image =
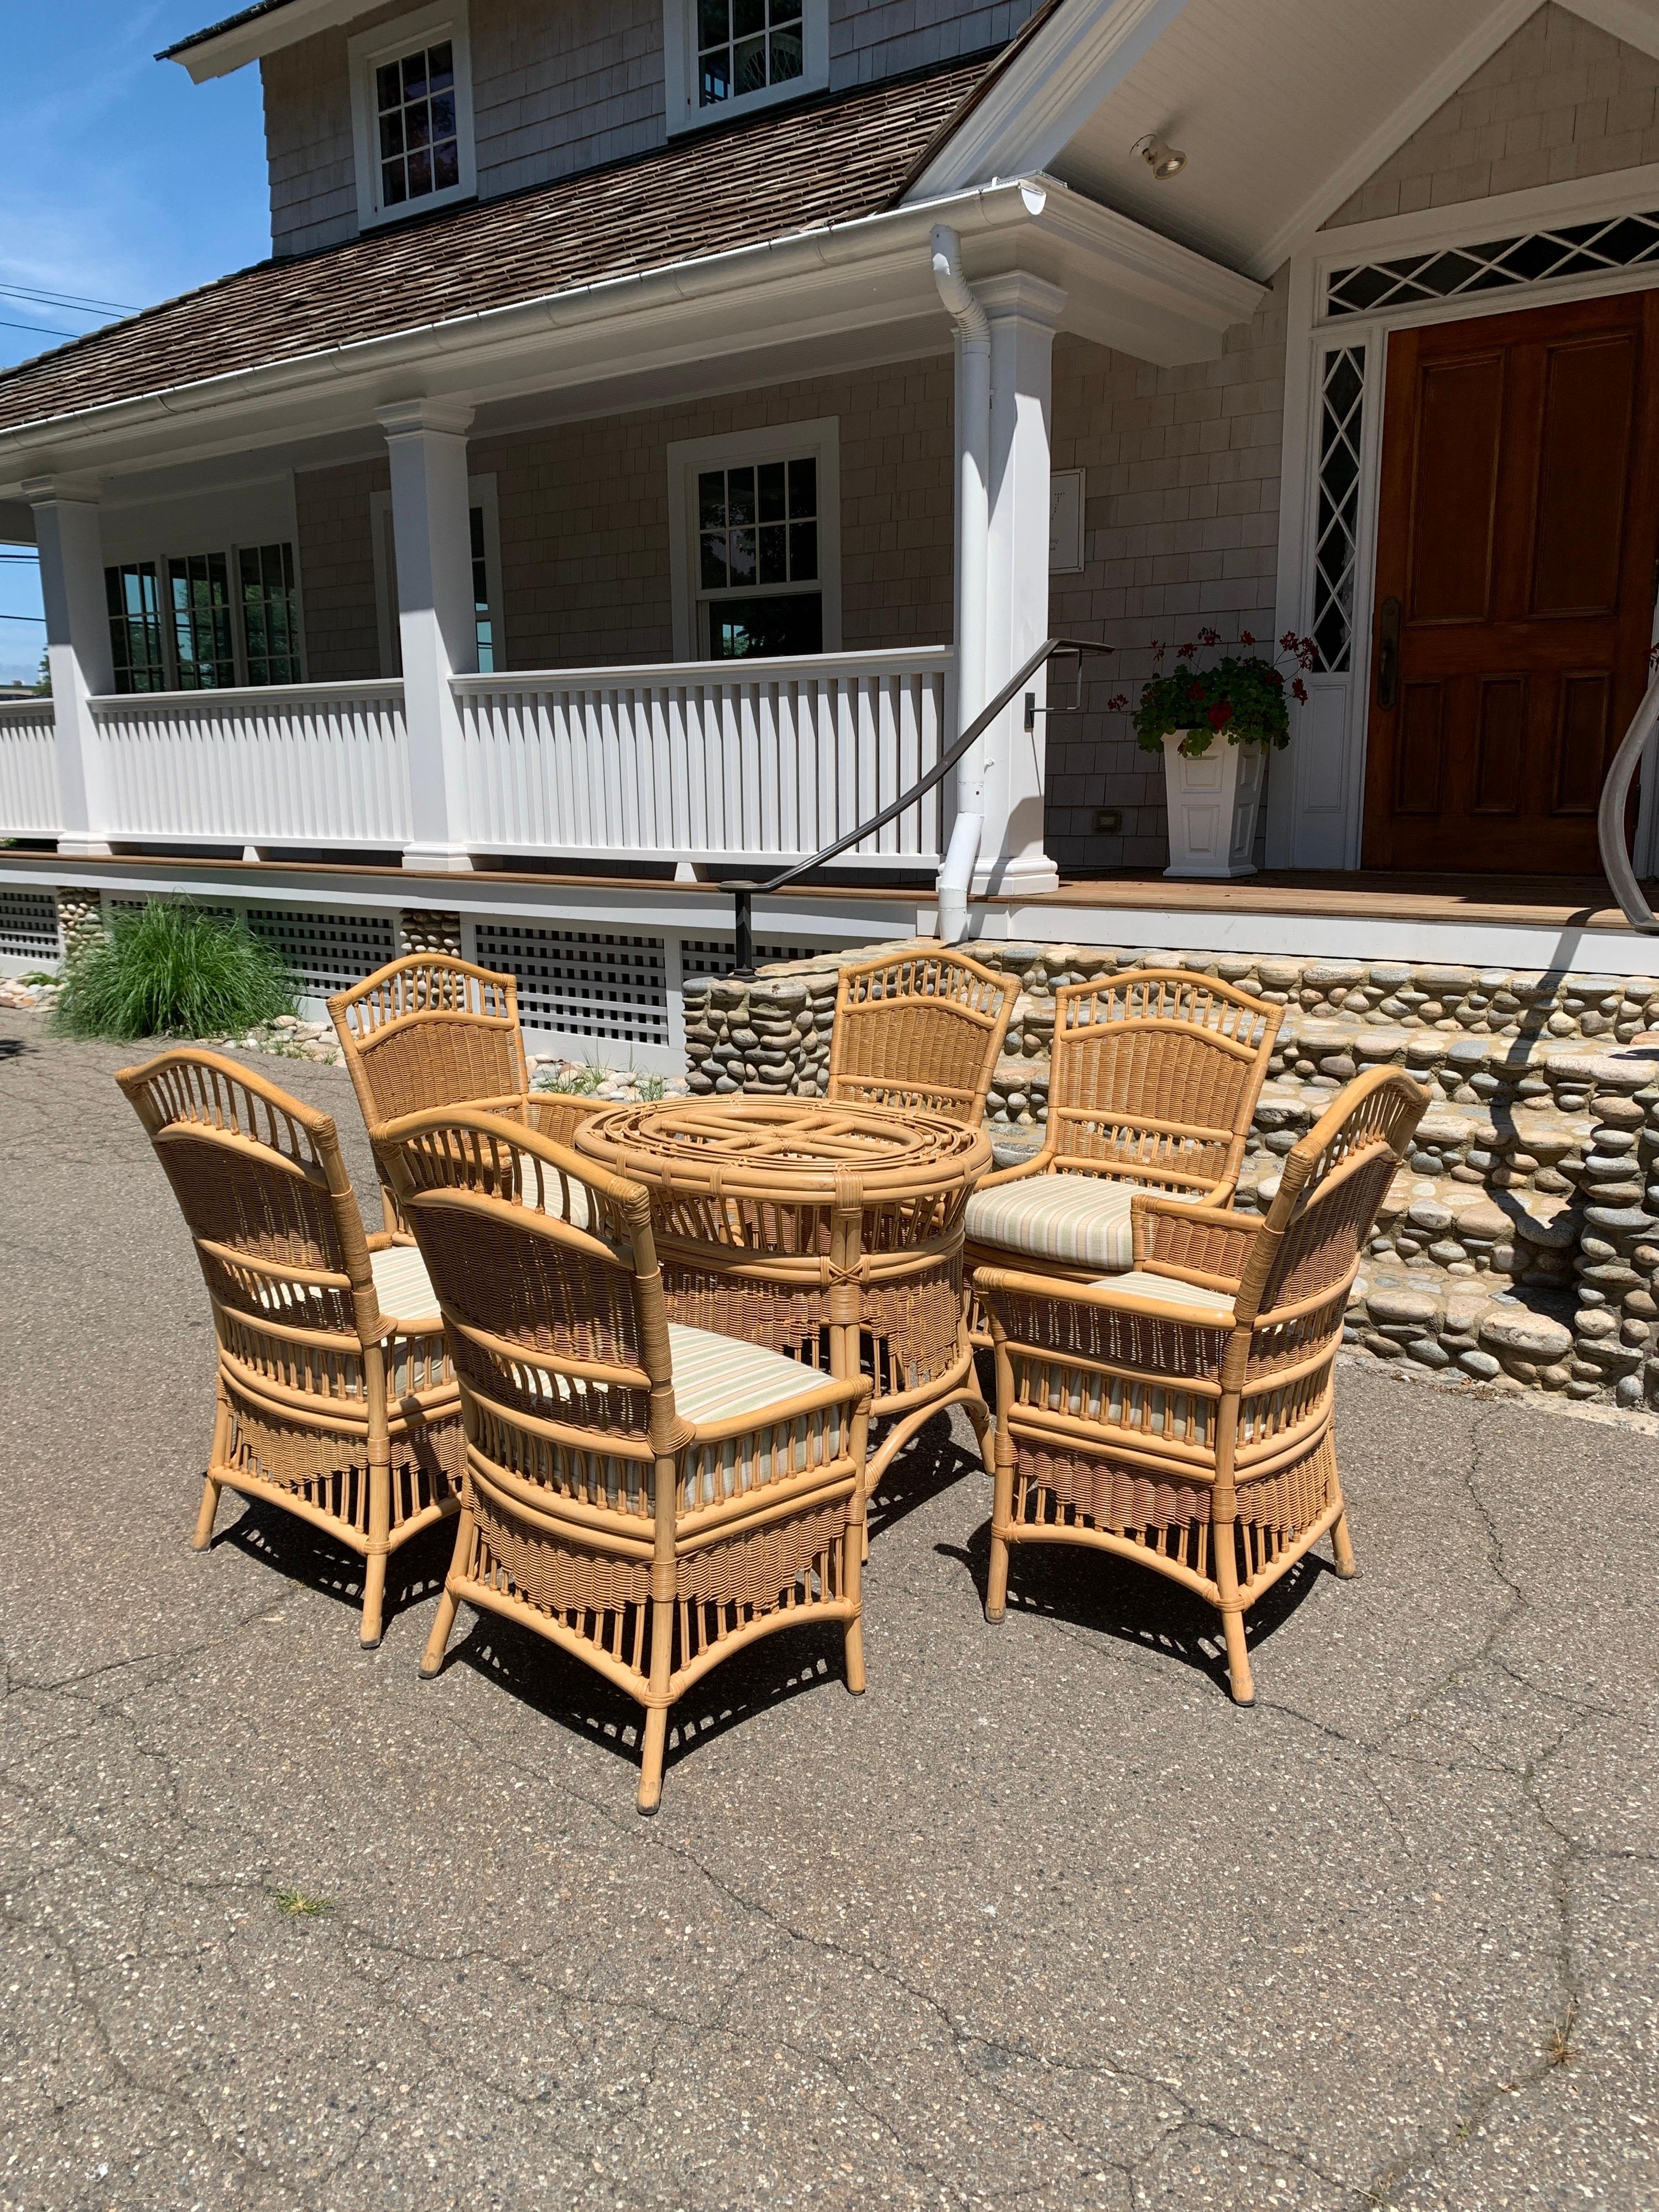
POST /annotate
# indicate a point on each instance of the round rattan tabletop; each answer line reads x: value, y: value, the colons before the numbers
x: 690, y: 1144
x: 825, y: 1232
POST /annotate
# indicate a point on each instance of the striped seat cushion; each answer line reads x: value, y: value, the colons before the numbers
x: 1207, y: 1304
x: 402, y: 1285
x: 718, y: 1378
x: 1080, y: 1220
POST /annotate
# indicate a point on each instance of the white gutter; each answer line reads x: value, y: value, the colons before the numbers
x: 737, y: 269
x: 955, y: 873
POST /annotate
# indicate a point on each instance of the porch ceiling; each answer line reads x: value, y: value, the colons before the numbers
x: 1282, y: 107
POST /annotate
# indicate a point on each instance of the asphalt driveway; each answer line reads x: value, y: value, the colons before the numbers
x: 1040, y: 1920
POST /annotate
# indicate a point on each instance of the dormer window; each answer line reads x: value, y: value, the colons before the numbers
x: 414, y: 102
x: 727, y: 56
x: 411, y: 97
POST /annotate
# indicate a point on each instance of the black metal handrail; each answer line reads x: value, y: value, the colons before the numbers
x: 744, y: 893
x: 1610, y: 815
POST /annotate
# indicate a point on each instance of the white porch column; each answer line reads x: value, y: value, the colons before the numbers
x: 437, y: 624
x: 78, y: 647
x: 1023, y: 310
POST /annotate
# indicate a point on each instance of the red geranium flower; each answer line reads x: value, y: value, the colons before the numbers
x: 1299, y: 691
x: 1221, y: 713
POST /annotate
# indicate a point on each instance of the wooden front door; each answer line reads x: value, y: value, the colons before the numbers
x: 1516, y: 536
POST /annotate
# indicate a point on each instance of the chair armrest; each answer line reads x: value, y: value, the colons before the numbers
x: 1207, y: 1244
x: 556, y: 1114
x: 1038, y: 1163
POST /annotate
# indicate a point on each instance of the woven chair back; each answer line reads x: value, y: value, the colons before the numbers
x: 1155, y: 1073
x: 429, y: 1031
x: 559, y: 1333
x: 919, y: 1029
x: 262, y: 1186
x: 1331, y: 1187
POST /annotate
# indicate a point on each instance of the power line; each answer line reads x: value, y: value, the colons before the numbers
x: 29, y: 618
x: 46, y: 329
x: 75, y: 300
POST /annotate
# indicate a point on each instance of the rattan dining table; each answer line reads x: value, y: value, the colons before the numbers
x: 831, y: 1232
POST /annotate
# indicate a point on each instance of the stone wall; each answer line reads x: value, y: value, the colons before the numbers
x: 1520, y: 1241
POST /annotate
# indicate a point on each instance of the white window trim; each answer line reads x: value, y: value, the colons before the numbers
x: 785, y: 441
x: 366, y: 52
x: 679, y: 46
x: 1315, y: 802
x: 480, y: 492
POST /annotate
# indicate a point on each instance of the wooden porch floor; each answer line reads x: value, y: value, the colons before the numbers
x: 1543, y: 902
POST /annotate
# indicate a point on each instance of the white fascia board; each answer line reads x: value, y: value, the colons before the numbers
x: 245, y: 42
x: 1432, y: 92
x: 1047, y: 92
x: 1634, y: 21
x: 1132, y: 289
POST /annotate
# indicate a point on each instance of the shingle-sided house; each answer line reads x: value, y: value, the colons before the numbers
x: 661, y: 424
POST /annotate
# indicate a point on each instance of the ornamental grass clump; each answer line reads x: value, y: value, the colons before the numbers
x: 172, y: 969
x: 1242, y: 700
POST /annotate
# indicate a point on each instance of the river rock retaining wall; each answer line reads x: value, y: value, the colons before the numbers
x: 1519, y: 1245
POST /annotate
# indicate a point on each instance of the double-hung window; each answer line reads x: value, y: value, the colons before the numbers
x: 411, y: 99
x: 756, y: 543
x: 725, y: 56
x: 757, y: 559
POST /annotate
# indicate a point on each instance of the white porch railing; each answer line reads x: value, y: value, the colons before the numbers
x: 29, y: 769
x: 302, y: 764
x: 763, y: 761
x: 719, y: 760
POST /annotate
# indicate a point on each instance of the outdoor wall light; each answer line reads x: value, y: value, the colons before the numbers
x: 1163, y: 160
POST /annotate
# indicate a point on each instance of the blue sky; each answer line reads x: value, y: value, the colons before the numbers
x: 122, y: 181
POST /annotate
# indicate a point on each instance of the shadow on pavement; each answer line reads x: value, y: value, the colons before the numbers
x: 303, y: 1555
x: 1113, y: 1597
x: 564, y: 1690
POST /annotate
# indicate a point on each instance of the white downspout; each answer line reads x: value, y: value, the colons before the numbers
x: 973, y: 440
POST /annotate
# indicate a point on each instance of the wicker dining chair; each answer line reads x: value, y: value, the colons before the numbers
x: 430, y: 1031
x: 335, y: 1398
x: 1153, y: 1079
x: 923, y: 1028
x: 649, y: 1498
x: 1180, y: 1415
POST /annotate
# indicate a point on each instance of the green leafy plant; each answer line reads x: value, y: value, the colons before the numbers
x: 1242, y: 700
x: 171, y: 970
x: 297, y: 1906
x: 652, y: 1087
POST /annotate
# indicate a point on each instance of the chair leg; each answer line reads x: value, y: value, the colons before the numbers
x: 379, y: 1534
x: 204, y: 1535
x: 218, y: 1453
x: 1238, y: 1657
x: 651, y: 1756
x: 433, y: 1657
x: 1002, y: 1514
x: 852, y: 1573
x: 374, y: 1600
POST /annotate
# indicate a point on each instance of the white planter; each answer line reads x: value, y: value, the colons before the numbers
x: 1213, y: 797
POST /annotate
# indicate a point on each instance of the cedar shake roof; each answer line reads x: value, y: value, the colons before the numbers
x: 213, y: 31
x: 829, y: 161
